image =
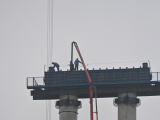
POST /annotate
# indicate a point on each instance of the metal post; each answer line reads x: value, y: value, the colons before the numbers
x: 72, y: 52
x: 27, y: 82
x: 33, y: 81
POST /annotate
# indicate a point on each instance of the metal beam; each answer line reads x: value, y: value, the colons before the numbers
x: 102, y: 91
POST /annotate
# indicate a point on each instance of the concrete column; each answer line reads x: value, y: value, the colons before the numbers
x: 68, y: 107
x: 127, y: 103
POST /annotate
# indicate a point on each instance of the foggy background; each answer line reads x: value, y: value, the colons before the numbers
x: 109, y: 33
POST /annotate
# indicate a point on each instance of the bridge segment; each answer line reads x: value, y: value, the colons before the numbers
x: 125, y: 84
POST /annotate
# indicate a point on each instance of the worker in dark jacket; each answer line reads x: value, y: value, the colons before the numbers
x: 71, y: 66
x: 55, y: 65
x: 77, y: 64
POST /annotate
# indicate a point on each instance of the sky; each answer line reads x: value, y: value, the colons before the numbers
x: 109, y: 33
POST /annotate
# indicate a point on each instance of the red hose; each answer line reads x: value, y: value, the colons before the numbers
x: 89, y: 80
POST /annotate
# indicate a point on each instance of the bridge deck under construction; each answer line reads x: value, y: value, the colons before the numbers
x: 109, y: 82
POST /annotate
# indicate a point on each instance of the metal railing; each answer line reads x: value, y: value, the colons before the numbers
x: 156, y: 76
x: 35, y: 82
x: 39, y: 82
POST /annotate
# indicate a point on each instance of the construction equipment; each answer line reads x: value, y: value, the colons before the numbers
x: 91, y: 87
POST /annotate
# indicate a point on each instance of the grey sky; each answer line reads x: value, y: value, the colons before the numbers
x: 124, y: 33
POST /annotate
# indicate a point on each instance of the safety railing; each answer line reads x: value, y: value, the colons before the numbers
x: 156, y: 76
x: 39, y: 82
x: 33, y: 82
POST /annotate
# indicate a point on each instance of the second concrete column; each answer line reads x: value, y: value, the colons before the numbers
x: 127, y: 103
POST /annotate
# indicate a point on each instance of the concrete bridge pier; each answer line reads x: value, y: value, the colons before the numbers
x: 127, y: 103
x: 68, y: 106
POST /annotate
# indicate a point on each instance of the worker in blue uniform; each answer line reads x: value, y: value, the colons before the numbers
x: 71, y: 66
x: 77, y: 64
x: 55, y: 65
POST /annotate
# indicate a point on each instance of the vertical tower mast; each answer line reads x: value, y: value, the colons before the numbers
x: 49, y: 48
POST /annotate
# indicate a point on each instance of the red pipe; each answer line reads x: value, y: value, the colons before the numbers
x: 91, y: 102
x: 96, y: 102
x: 89, y: 80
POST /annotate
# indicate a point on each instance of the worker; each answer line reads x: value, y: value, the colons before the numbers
x: 71, y: 66
x: 55, y: 65
x: 77, y: 64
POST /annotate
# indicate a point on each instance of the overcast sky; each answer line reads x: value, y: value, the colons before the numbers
x: 110, y: 33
